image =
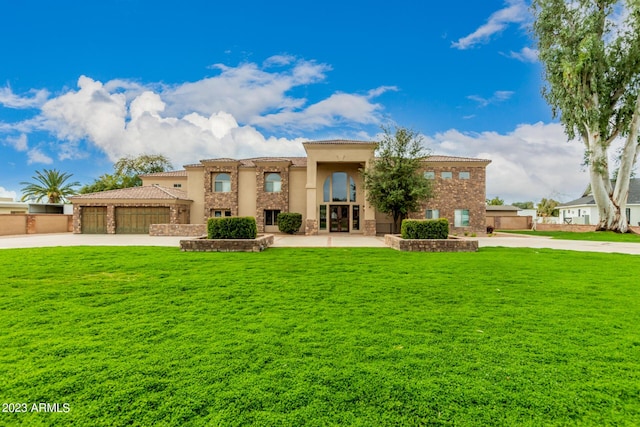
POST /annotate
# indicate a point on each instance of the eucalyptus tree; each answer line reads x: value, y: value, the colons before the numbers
x: 590, y: 50
x: 50, y: 184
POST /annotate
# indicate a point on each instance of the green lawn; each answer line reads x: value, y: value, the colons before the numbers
x: 596, y: 236
x: 318, y: 337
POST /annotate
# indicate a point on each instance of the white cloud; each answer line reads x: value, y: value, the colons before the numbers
x: 19, y: 143
x: 516, y: 11
x: 213, y: 117
x: 6, y: 193
x: 498, y: 96
x: 246, y: 91
x: 35, y: 155
x: 529, y: 163
x: 526, y: 54
x: 11, y: 100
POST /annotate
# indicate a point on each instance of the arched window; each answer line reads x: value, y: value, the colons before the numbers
x: 339, y: 187
x: 222, y: 183
x: 272, y: 183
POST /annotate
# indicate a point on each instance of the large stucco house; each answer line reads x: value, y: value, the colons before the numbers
x: 325, y: 187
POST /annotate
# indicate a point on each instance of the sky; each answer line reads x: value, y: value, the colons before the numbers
x: 85, y: 83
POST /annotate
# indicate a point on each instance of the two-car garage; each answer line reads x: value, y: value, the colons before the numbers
x: 130, y: 210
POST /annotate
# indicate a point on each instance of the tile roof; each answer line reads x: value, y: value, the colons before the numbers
x: 295, y: 161
x: 340, y: 141
x: 302, y: 161
x: 502, y: 208
x: 167, y: 173
x: 454, y: 159
x: 148, y: 192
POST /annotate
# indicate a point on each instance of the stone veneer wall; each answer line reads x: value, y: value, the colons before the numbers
x: 227, y: 245
x: 187, y: 230
x: 396, y: 242
x: 220, y: 201
x: 311, y: 227
x: 456, y: 193
x: 269, y: 201
x: 369, y: 227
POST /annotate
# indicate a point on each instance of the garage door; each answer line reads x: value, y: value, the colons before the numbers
x: 94, y: 220
x: 137, y: 220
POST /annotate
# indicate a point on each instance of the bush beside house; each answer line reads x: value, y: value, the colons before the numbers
x: 232, y: 228
x: 425, y: 229
x: 289, y: 222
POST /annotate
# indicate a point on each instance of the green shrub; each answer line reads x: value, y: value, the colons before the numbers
x: 232, y: 228
x: 289, y: 222
x: 425, y: 228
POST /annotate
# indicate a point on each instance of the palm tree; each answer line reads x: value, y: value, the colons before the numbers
x: 50, y: 184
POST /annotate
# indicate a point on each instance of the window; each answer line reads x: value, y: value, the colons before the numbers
x: 352, y: 188
x: 432, y: 214
x: 355, y: 216
x: 219, y: 213
x: 272, y: 183
x: 461, y: 218
x: 323, y: 217
x: 222, y: 183
x: 177, y: 185
x: 446, y: 175
x: 271, y: 216
x: 430, y: 175
x: 464, y: 175
x: 339, y: 187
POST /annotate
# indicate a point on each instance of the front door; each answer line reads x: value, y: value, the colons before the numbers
x: 339, y: 215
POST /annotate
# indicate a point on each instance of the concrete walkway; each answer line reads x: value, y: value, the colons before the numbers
x: 327, y: 241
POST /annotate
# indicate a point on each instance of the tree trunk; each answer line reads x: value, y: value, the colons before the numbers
x: 611, y: 205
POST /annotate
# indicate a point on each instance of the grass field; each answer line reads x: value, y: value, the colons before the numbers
x: 291, y: 337
x: 599, y: 236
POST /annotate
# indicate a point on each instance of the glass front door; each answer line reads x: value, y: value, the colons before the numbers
x: 339, y: 215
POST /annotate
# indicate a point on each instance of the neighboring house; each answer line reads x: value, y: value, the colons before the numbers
x: 502, y: 210
x: 584, y: 210
x: 325, y: 187
x: 8, y: 206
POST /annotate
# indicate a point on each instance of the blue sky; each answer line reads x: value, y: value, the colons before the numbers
x: 85, y: 83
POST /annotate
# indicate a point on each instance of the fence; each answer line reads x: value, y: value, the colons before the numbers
x: 15, y: 224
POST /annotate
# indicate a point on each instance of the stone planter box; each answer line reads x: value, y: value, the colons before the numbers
x: 186, y: 230
x: 452, y: 244
x: 203, y: 244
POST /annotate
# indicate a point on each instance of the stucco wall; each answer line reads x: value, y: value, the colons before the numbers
x: 195, y: 192
x: 247, y: 192
x: 17, y: 224
x: 297, y: 191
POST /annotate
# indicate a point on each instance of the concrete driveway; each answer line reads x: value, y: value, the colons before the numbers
x: 281, y: 240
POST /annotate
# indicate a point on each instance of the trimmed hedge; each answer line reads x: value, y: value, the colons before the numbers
x: 289, y: 222
x: 232, y: 228
x: 425, y: 228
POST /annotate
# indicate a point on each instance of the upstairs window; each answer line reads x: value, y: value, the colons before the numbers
x: 222, y: 183
x: 464, y: 175
x: 339, y: 187
x: 430, y: 175
x: 446, y: 175
x: 272, y: 183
